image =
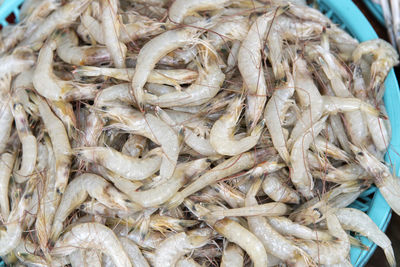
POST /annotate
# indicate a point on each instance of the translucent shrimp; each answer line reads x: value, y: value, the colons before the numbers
x: 61, y: 17
x: 206, y: 86
x: 49, y: 85
x: 222, y: 137
x: 323, y: 146
x: 21, y: 59
x: 387, y: 183
x: 231, y: 29
x: 224, y: 169
x: 20, y: 85
x: 29, y: 144
x: 92, y: 236
x: 249, y: 63
x: 69, y: 51
x: 300, y: 174
x: 357, y: 221
x: 126, y: 166
x: 187, y: 262
x: 287, y: 227
x: 385, y: 57
x: 65, y: 111
x: 170, y: 41
x: 134, y: 146
x: 267, y: 209
x: 274, y: 115
x: 277, y: 190
x: 198, y: 143
x: 331, y: 252
x: 85, y: 258
x: 342, y: 174
x: 7, y: 162
x: 79, y: 189
x: 111, y: 31
x: 334, y: 105
x: 134, y: 253
x: 174, y: 247
x: 232, y: 256
x: 6, y: 117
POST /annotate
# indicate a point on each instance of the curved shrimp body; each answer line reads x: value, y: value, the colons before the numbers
x: 78, y: 190
x: 63, y: 16
x: 274, y: 115
x: 111, y: 31
x: 385, y: 57
x: 331, y: 252
x: 93, y: 236
x: 245, y: 239
x: 199, y: 144
x: 7, y: 162
x: 157, y: 48
x: 69, y: 51
x: 133, y: 252
x: 134, y: 146
x: 29, y: 144
x: 387, y: 183
x: 232, y: 256
x: 267, y: 209
x: 309, y: 98
x: 22, y: 59
x: 222, y: 137
x: 334, y: 105
x: 206, y: 86
x: 234, y: 28
x: 277, y: 190
x: 6, y: 119
x: 128, y: 167
x: 357, y: 221
x: 249, y: 63
x: 174, y: 247
x: 300, y: 174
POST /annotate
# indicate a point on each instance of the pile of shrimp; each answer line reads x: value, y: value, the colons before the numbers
x: 189, y: 133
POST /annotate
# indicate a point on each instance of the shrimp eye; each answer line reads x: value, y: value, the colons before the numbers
x: 319, y: 212
x: 360, y: 154
x: 163, y: 27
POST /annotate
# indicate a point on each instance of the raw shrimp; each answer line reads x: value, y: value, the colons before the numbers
x: 7, y: 162
x: 300, y: 174
x: 267, y: 209
x: 29, y: 144
x: 385, y: 57
x: 69, y: 51
x: 134, y: 253
x: 6, y: 117
x: 222, y: 137
x: 21, y: 59
x: 249, y: 63
x: 334, y: 105
x: 134, y: 146
x: 232, y: 256
x: 357, y: 221
x: 92, y: 236
x: 342, y: 174
x: 126, y: 166
x: 277, y: 190
x: 199, y: 144
x: 322, y: 146
x: 388, y: 184
x: 174, y: 247
x: 79, y: 189
x: 187, y: 262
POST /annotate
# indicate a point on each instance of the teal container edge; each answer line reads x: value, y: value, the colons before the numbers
x: 376, y: 10
x: 350, y: 18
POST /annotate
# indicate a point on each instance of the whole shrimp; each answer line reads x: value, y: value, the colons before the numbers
x: 222, y: 137
x: 277, y: 190
x: 92, y: 236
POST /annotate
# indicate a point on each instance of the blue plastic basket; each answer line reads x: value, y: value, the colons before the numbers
x: 376, y: 10
x: 350, y: 18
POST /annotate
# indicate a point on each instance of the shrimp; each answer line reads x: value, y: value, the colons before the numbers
x: 300, y: 174
x: 111, y: 31
x: 228, y: 167
x: 134, y: 146
x: 21, y: 59
x: 69, y: 51
x: 274, y: 115
x: 79, y: 189
x: 206, y: 86
x: 277, y: 190
x: 29, y: 144
x: 232, y: 256
x: 331, y: 252
x: 49, y: 85
x: 357, y: 221
x: 286, y: 227
x: 85, y: 258
x: 20, y: 85
x: 126, y: 166
x: 175, y: 246
x: 134, y: 253
x: 334, y: 105
x: 322, y: 146
x: 385, y: 57
x: 267, y: 209
x: 7, y: 162
x: 387, y: 183
x: 273, y: 242
x: 92, y: 236
x: 232, y: 29
x: 170, y: 41
x: 249, y: 63
x: 342, y: 174
x: 198, y: 144
x: 187, y: 262
x: 61, y: 17
x: 65, y: 112
x: 222, y: 137
x: 6, y: 117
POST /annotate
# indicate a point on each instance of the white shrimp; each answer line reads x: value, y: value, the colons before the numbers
x: 323, y: 146
x: 7, y: 162
x: 174, y: 247
x: 21, y: 59
x: 334, y: 105
x: 357, y: 221
x: 29, y: 144
x: 85, y: 258
x: 187, y: 262
x: 134, y: 253
x: 69, y: 51
x: 199, y: 144
x: 232, y: 256
x: 267, y: 209
x: 6, y: 117
x: 222, y: 137
x: 388, y: 184
x: 232, y: 29
x: 342, y: 174
x: 249, y: 63
x: 134, y: 146
x: 92, y: 236
x: 300, y: 174
x: 126, y: 166
x: 277, y: 190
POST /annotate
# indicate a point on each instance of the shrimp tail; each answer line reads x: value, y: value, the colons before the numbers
x: 390, y: 256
